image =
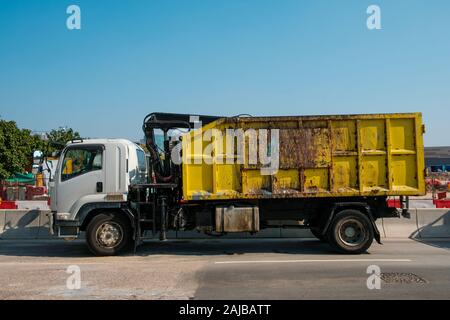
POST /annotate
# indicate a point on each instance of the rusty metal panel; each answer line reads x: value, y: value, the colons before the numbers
x: 237, y: 219
x: 304, y: 148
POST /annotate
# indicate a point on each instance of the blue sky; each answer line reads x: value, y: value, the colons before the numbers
x: 221, y: 57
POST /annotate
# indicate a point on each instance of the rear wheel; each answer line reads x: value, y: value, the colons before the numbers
x: 108, y: 234
x: 351, y: 232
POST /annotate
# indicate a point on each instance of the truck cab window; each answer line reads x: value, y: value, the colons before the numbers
x: 78, y: 161
x: 142, y: 165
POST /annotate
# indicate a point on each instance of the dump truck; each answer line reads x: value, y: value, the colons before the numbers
x: 221, y: 175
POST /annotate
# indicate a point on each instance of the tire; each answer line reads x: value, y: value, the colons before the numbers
x: 350, y: 232
x: 108, y: 234
x: 316, y: 232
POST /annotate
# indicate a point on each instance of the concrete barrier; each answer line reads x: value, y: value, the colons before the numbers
x: 2, y: 222
x: 433, y: 223
x: 423, y: 224
x: 421, y: 203
x: 21, y: 224
x: 398, y: 227
x: 44, y: 225
x: 32, y: 205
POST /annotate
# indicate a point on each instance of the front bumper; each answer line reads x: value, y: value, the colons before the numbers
x: 64, y: 228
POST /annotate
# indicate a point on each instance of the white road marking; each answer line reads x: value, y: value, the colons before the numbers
x: 51, y: 263
x: 32, y: 263
x: 315, y: 260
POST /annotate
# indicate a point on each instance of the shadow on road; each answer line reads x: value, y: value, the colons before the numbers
x: 236, y: 247
x: 78, y: 248
x: 437, y: 243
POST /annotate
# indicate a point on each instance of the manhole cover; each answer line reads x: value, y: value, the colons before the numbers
x: 399, y: 277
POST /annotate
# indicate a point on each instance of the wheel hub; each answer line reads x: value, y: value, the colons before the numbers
x: 352, y: 232
x: 109, y: 234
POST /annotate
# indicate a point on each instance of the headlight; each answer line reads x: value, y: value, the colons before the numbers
x: 62, y: 216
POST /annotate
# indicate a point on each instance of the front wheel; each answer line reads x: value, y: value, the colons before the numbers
x: 351, y: 231
x: 108, y: 234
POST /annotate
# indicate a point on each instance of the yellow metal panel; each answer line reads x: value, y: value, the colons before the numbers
x: 402, y: 134
x: 228, y: 177
x: 389, y: 153
x: 373, y: 135
x: 316, y: 180
x: 286, y: 181
x: 344, y: 135
x: 345, y: 174
x: 253, y: 183
x: 199, y: 179
x: 419, y: 130
x: 402, y: 175
x: 320, y: 156
x: 373, y: 178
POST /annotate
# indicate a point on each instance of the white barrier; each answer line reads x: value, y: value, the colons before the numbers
x: 44, y: 226
x: 32, y: 205
x: 2, y: 221
x: 21, y: 224
x: 398, y: 227
x: 421, y: 203
x: 433, y: 223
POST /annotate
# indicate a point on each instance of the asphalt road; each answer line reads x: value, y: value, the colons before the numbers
x: 226, y: 269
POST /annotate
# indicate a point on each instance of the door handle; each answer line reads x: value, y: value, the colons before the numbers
x: 99, y: 186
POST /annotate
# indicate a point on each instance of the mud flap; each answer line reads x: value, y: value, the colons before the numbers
x: 135, y: 226
x: 376, y: 232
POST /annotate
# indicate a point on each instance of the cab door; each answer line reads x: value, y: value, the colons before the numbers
x: 81, y: 174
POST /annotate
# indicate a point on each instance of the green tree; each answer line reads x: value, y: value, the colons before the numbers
x: 18, y: 145
x: 16, y: 148
x: 59, y: 137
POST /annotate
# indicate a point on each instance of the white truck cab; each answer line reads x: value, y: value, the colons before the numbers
x: 93, y: 175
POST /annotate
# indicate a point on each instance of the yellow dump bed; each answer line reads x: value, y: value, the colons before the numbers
x: 319, y: 156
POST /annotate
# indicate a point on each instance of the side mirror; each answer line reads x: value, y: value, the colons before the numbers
x: 38, y: 157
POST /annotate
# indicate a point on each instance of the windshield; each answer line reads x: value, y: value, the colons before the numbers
x: 81, y: 160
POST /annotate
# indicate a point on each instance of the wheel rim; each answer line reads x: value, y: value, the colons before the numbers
x: 352, y: 232
x: 109, y: 234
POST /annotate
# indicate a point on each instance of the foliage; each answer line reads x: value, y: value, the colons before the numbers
x: 16, y: 148
x: 57, y: 138
x: 18, y: 145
